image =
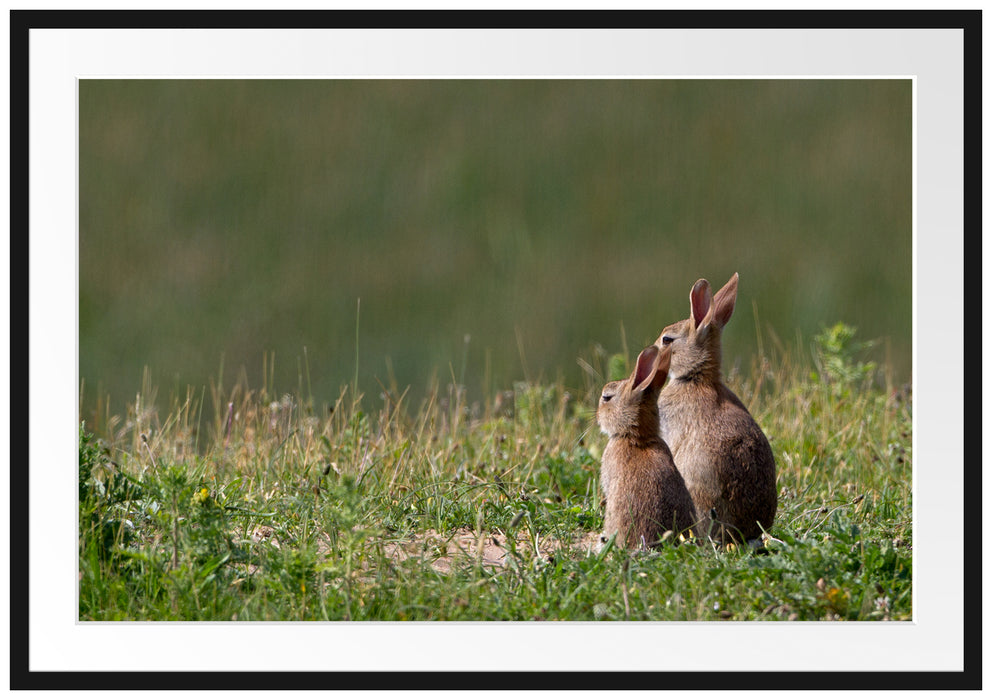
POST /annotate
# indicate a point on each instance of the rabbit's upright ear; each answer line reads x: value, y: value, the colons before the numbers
x: 661, y: 366
x: 700, y: 300
x: 645, y: 370
x: 724, y: 300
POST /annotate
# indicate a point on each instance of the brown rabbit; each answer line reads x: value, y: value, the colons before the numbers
x: 721, y: 452
x: 645, y: 494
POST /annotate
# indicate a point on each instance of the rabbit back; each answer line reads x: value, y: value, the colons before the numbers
x: 724, y: 457
x: 646, y: 494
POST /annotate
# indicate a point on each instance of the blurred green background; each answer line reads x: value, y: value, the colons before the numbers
x: 226, y: 221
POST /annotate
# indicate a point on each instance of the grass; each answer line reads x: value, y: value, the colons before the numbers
x: 271, y: 508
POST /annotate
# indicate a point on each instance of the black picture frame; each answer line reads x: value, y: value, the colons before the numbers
x: 22, y: 461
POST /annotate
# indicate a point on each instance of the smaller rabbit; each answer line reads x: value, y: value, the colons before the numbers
x: 645, y: 494
x: 722, y: 454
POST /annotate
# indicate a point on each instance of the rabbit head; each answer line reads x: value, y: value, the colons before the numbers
x: 695, y: 342
x: 628, y: 407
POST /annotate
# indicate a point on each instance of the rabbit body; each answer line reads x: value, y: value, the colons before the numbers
x: 720, y: 450
x: 645, y: 494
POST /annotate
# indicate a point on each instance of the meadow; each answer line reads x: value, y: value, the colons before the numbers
x: 341, y: 341
x: 242, y: 503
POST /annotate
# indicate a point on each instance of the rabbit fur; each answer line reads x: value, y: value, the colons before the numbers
x: 645, y: 494
x: 719, y: 449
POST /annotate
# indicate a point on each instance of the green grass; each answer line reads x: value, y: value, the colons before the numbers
x: 245, y: 504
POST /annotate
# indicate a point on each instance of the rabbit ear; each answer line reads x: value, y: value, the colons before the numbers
x: 661, y: 366
x: 723, y: 302
x: 645, y: 370
x: 700, y: 300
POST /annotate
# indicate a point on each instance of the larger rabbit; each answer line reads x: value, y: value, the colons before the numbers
x: 719, y: 449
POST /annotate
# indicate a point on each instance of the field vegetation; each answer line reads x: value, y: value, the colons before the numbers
x: 246, y: 503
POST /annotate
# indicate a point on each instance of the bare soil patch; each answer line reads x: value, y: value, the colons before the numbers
x: 491, y: 549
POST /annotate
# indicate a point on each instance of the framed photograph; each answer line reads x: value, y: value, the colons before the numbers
x: 325, y: 303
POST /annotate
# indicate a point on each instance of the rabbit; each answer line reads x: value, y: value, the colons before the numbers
x: 720, y: 450
x: 645, y: 494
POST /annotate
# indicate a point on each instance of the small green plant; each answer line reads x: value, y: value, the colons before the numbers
x: 104, y: 493
x: 836, y: 354
x: 618, y: 367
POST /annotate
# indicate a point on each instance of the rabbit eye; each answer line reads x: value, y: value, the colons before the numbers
x: 667, y: 340
x: 606, y: 397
